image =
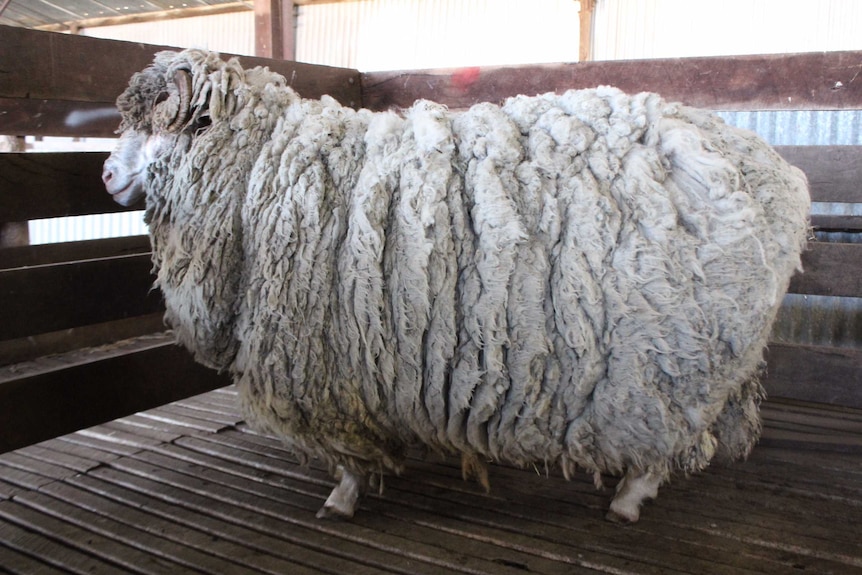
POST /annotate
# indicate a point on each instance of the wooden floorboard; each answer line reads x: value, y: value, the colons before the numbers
x: 189, y: 488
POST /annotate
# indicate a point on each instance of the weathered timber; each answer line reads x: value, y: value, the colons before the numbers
x: 810, y: 81
x: 66, y: 340
x: 820, y: 374
x: 836, y: 223
x: 830, y: 269
x: 80, y: 390
x: 71, y: 251
x: 52, y: 66
x: 49, y: 185
x: 58, y: 118
x: 48, y: 298
x: 834, y: 172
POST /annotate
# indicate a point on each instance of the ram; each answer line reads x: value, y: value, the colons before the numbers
x: 576, y: 281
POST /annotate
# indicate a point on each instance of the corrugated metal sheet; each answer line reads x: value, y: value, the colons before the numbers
x: 40, y: 13
x: 409, y: 34
x: 626, y: 29
x: 232, y: 33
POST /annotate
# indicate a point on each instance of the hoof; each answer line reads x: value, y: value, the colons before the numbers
x: 621, y: 517
x: 333, y: 512
x: 344, y: 499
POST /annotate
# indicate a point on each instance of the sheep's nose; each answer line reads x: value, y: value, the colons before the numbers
x: 107, y: 175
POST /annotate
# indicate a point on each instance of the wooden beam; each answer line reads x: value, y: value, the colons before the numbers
x: 830, y: 269
x: 821, y: 374
x: 834, y: 172
x: 75, y: 338
x: 585, y: 37
x: 53, y: 184
x: 28, y: 256
x: 59, y: 118
x: 274, y: 29
x: 68, y: 68
x: 45, y: 399
x: 13, y: 234
x: 47, y: 298
x: 809, y: 81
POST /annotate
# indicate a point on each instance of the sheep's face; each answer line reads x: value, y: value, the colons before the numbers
x: 125, y: 170
x: 155, y: 112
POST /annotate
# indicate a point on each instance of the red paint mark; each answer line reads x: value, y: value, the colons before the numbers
x: 465, y: 77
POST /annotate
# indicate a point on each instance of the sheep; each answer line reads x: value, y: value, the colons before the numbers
x: 582, y: 280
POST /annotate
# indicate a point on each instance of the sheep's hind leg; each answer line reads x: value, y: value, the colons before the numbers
x: 632, y: 491
x: 344, y: 499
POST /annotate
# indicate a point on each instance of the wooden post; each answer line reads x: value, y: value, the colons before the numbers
x: 585, y: 51
x: 13, y: 233
x: 274, y: 29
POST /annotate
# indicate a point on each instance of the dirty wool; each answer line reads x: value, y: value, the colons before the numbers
x: 583, y: 280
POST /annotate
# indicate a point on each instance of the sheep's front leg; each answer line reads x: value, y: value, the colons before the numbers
x: 632, y: 491
x: 344, y: 499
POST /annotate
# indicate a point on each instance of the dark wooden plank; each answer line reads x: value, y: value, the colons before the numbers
x: 104, y: 551
x: 225, y: 541
x: 819, y: 374
x: 140, y: 540
x: 831, y: 269
x: 72, y: 251
x: 66, y: 340
x: 12, y: 561
x: 69, y: 67
x: 834, y: 172
x: 272, y: 497
x: 552, y: 506
x: 834, y: 223
x: 39, y: 117
x: 40, y: 547
x: 50, y: 185
x: 96, y: 387
x: 48, y: 298
x: 809, y: 81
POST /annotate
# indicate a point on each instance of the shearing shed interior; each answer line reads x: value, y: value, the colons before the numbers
x: 120, y: 453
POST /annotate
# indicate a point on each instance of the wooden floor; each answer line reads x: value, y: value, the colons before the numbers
x: 188, y: 488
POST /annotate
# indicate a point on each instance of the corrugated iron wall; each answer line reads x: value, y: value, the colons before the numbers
x: 232, y: 33
x: 408, y: 34
x: 626, y: 29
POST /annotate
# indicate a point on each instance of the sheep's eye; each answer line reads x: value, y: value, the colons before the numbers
x: 161, y: 98
x: 203, y: 122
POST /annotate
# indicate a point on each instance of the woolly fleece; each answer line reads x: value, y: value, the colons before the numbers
x: 585, y: 279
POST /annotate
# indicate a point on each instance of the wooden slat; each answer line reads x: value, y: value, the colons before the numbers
x: 53, y: 297
x: 834, y: 172
x: 836, y: 223
x: 821, y: 374
x: 71, y: 251
x: 809, y: 81
x: 73, y: 68
x: 50, y: 185
x: 831, y: 269
x: 66, y: 340
x: 38, y: 117
x: 85, y: 389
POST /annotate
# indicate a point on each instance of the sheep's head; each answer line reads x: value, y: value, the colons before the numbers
x: 160, y: 104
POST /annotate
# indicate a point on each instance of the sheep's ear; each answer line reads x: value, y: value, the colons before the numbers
x: 171, y: 108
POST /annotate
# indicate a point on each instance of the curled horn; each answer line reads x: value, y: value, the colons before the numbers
x: 183, y: 81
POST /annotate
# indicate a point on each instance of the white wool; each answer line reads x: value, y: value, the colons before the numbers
x: 584, y: 279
